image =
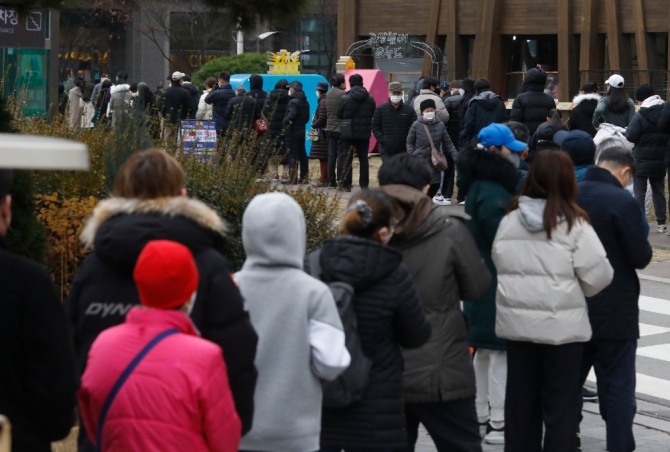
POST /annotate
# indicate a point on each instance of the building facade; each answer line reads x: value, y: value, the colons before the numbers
x: 574, y: 40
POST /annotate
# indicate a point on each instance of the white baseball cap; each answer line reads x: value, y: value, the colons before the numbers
x: 615, y: 81
x: 176, y: 75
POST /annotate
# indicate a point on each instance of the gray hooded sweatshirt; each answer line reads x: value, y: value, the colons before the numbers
x: 300, y: 336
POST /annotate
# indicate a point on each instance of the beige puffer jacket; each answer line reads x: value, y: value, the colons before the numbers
x: 542, y: 284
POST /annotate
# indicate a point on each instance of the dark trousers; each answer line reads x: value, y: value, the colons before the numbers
x: 657, y: 194
x: 448, y: 184
x: 345, y: 158
x: 543, y: 386
x: 297, y: 153
x: 452, y: 425
x: 614, y: 364
x: 333, y: 143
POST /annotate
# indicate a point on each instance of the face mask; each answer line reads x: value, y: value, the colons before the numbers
x: 191, y: 303
x: 318, y: 94
x: 514, y: 158
x: 429, y: 115
x: 396, y: 99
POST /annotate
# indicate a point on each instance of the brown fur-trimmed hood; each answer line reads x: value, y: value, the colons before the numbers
x: 194, y: 210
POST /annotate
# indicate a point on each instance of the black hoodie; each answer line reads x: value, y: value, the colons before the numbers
x: 297, y: 114
x: 483, y: 109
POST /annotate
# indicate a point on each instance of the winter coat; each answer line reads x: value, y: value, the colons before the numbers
x: 218, y: 99
x: 441, y: 112
x: 359, y: 106
x: 616, y: 218
x: 650, y: 141
x: 194, y: 99
x: 453, y: 104
x: 74, y: 105
x: 242, y: 111
x: 542, y: 284
x: 389, y: 315
x: 181, y: 386
x: 602, y: 113
x: 176, y: 104
x: 103, y: 289
x: 87, y: 114
x: 102, y: 101
x: 532, y: 106
x: 119, y: 103
x: 485, y: 108
x: 418, y: 143
x: 490, y: 181
x: 301, y: 341
x: 441, y: 370
x: 319, y: 149
x: 297, y: 115
x: 581, y: 115
x: 390, y: 126
x: 205, y: 110
x: 275, y: 110
x: 332, y: 102
x: 38, y: 372
x: 664, y: 126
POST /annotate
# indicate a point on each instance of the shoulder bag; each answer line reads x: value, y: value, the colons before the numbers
x: 437, y: 158
x: 122, y: 379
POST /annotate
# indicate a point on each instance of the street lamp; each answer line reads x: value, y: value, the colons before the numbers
x: 262, y: 36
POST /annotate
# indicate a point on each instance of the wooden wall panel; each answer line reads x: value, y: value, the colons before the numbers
x: 392, y: 15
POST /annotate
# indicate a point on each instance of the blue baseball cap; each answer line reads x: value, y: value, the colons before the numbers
x: 500, y: 135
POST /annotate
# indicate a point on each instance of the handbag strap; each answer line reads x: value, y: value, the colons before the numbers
x: 122, y: 379
x: 430, y: 137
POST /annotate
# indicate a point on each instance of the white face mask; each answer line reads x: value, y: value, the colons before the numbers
x: 396, y: 99
x: 514, y: 158
x: 318, y: 94
x: 429, y: 115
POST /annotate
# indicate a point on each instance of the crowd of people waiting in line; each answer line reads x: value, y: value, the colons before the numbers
x: 544, y: 261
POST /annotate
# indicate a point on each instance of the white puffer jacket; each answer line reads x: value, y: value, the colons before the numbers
x: 542, y: 283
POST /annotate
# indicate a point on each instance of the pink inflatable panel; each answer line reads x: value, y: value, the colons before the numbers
x: 375, y: 83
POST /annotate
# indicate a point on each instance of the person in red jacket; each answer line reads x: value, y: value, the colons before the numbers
x: 177, y: 397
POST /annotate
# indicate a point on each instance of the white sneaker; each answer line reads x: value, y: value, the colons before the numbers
x: 440, y: 201
x: 462, y: 203
x: 660, y: 228
x: 495, y: 435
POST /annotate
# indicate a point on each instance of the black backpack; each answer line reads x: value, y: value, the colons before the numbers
x: 350, y: 385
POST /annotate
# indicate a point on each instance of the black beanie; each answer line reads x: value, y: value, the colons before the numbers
x: 644, y: 91
x: 428, y: 103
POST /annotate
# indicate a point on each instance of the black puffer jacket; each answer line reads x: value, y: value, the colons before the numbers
x: 581, y: 115
x: 532, y: 106
x: 176, y: 104
x: 453, y: 104
x: 242, y: 111
x: 38, y: 373
x: 358, y: 106
x: 103, y: 289
x: 194, y: 94
x: 664, y: 126
x: 390, y: 126
x: 389, y: 316
x: 297, y: 115
x: 275, y: 110
x: 485, y: 108
x: 650, y: 142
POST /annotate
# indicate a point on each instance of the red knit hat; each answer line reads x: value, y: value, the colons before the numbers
x: 165, y: 274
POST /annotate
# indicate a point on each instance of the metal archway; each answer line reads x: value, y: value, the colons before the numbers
x: 433, y: 51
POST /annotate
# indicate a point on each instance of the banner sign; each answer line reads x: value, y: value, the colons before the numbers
x: 198, y: 137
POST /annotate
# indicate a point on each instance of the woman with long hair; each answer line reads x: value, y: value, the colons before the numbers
x: 389, y: 316
x: 583, y: 106
x: 549, y: 259
x: 616, y: 107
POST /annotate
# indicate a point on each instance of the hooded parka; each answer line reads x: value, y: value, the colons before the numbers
x: 532, y: 106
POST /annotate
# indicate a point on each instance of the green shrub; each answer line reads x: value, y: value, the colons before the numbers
x: 229, y: 182
x: 245, y: 63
